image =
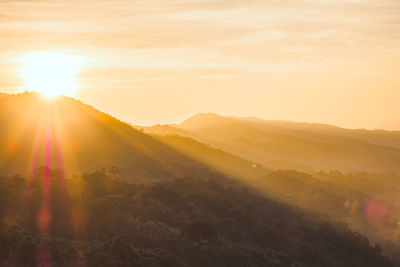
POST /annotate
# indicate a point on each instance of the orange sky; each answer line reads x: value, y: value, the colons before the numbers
x: 157, y: 61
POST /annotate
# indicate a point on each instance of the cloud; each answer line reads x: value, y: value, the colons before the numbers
x: 256, y: 35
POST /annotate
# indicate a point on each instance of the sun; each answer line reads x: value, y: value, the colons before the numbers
x: 51, y: 73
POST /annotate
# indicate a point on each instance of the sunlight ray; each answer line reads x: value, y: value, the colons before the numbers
x: 51, y: 73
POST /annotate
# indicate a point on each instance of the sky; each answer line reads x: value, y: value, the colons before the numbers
x: 161, y: 61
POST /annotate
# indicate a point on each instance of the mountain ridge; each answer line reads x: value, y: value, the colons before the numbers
x: 83, y: 138
x: 310, y: 145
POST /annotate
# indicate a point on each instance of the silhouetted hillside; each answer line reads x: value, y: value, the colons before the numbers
x: 75, y: 137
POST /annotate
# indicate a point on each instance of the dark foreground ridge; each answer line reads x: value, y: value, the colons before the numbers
x: 98, y: 220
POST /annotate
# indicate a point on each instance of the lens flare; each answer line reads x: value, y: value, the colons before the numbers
x: 51, y: 73
x: 382, y: 212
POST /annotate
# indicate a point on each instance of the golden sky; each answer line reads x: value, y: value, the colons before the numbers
x: 158, y: 61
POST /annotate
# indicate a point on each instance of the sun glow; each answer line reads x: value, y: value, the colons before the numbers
x: 51, y: 73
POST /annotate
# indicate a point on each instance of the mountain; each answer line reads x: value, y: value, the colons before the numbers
x: 379, y: 137
x: 64, y: 133
x: 301, y: 146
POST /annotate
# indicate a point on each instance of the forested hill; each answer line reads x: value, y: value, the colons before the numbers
x: 102, y: 221
x: 67, y: 134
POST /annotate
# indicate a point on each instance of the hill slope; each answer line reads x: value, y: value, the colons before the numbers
x: 298, y: 146
x: 67, y: 134
x: 183, y: 222
x: 222, y: 161
x: 378, y: 137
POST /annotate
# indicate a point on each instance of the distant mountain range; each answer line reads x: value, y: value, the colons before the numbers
x: 290, y: 145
